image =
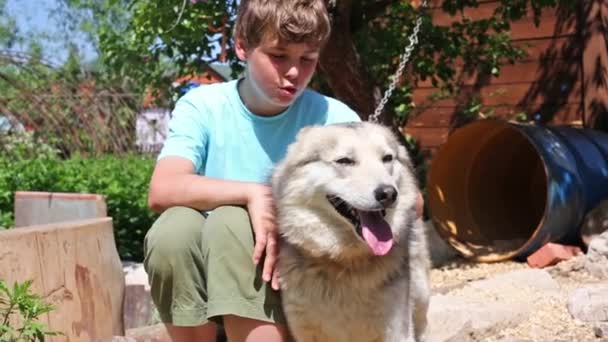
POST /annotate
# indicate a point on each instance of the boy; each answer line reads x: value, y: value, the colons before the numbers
x: 211, y: 255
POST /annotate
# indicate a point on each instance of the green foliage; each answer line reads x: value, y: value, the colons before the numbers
x: 20, y: 310
x: 123, y: 180
x: 8, y: 27
x: 179, y: 35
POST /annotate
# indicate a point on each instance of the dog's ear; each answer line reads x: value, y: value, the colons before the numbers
x: 304, y: 132
x: 299, y: 154
x: 404, y: 157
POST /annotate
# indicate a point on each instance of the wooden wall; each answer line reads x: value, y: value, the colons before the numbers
x: 550, y: 83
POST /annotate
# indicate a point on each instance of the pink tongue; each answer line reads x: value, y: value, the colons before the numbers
x: 376, y: 232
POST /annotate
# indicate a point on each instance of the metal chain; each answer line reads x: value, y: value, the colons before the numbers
x: 403, y: 61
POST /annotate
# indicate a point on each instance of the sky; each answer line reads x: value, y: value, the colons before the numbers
x: 34, y: 16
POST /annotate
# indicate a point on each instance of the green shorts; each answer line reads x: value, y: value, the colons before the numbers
x: 201, y: 268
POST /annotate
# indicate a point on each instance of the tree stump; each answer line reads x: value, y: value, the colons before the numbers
x: 75, y: 266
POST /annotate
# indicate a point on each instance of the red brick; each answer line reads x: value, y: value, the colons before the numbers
x: 552, y: 253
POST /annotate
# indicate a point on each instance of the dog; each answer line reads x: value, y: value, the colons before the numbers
x: 353, y: 260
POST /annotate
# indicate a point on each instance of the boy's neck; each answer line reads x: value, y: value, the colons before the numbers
x: 253, y: 103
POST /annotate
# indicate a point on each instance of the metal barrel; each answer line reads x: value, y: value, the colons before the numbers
x: 499, y: 190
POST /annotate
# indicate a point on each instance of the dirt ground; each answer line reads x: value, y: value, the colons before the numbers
x: 549, y: 319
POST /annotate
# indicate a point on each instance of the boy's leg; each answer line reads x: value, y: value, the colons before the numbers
x: 249, y: 308
x: 174, y: 263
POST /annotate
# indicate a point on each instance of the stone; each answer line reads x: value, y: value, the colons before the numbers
x: 123, y: 339
x: 139, y: 309
x: 486, y: 306
x: 596, y: 261
x: 589, y: 303
x: 528, y: 279
x: 152, y: 333
x: 601, y: 330
x: 595, y: 222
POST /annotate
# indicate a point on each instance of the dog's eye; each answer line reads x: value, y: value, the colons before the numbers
x: 345, y: 161
x: 387, y: 158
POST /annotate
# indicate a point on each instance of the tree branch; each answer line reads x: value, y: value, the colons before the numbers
x: 346, y: 74
x: 376, y: 8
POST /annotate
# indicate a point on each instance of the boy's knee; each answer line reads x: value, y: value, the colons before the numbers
x: 227, y: 228
x: 176, y: 231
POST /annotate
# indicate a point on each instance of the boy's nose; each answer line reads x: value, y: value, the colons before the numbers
x: 292, y: 72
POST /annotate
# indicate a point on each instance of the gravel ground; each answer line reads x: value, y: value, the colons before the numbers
x: 549, y: 321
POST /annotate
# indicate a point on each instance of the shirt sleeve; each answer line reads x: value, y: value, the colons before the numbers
x: 187, y: 137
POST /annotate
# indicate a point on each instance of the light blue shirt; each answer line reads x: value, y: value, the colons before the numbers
x: 211, y: 127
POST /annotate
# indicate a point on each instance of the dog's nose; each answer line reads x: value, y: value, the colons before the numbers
x: 386, y: 195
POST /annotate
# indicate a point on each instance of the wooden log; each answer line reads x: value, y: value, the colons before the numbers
x: 33, y: 207
x: 75, y: 266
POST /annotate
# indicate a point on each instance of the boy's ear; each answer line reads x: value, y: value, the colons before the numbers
x: 240, y: 49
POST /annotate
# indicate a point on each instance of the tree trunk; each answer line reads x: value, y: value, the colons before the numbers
x: 340, y: 62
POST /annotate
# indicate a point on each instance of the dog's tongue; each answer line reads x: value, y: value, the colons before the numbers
x: 376, y: 232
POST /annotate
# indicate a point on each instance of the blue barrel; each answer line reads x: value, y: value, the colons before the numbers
x: 498, y: 190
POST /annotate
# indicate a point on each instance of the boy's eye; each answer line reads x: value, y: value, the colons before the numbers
x: 308, y: 59
x: 277, y: 56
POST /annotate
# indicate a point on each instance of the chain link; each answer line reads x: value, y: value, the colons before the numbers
x: 403, y: 61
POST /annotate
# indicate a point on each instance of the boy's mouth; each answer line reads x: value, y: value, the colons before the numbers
x: 289, y: 90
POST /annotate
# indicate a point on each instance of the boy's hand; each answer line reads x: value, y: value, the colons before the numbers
x: 263, y: 219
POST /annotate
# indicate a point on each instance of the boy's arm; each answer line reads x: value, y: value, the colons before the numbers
x: 174, y: 183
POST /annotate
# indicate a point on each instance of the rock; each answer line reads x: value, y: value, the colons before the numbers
x: 139, y: 309
x: 526, y: 279
x: 551, y: 254
x: 123, y: 339
x: 590, y: 303
x: 598, y: 247
x: 595, y: 222
x: 451, y: 318
x: 152, y: 333
x: 486, y: 306
x: 597, y: 256
x: 601, y: 330
x: 440, y: 251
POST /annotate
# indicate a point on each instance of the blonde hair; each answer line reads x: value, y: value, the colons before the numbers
x: 289, y: 21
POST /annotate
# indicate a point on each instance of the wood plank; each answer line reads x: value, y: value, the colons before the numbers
x: 553, y: 21
x: 595, y: 65
x: 555, y: 92
x: 525, y: 72
x: 550, y: 49
x: 433, y: 117
x: 428, y: 137
x: 75, y: 267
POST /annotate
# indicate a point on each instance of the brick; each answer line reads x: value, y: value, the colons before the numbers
x: 551, y: 254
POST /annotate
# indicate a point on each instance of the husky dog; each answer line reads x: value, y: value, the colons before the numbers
x: 353, y: 259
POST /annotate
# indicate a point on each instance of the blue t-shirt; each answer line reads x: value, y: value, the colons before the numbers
x: 212, y: 127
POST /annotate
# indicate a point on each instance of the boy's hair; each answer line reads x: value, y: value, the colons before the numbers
x: 289, y: 21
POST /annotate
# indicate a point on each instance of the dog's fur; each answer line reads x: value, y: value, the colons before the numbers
x: 335, y: 286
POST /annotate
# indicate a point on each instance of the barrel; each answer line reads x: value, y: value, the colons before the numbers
x: 500, y: 190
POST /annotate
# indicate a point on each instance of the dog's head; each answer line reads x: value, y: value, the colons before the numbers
x: 345, y: 190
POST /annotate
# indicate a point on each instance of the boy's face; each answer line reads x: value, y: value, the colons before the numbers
x: 277, y: 74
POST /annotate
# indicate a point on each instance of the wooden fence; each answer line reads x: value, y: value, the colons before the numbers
x: 564, y: 78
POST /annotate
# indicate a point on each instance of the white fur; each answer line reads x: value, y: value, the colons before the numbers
x: 333, y: 287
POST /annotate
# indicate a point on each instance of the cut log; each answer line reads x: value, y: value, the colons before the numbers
x: 75, y: 266
x: 33, y: 207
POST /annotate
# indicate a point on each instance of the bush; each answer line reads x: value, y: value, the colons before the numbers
x: 20, y: 311
x: 123, y: 180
